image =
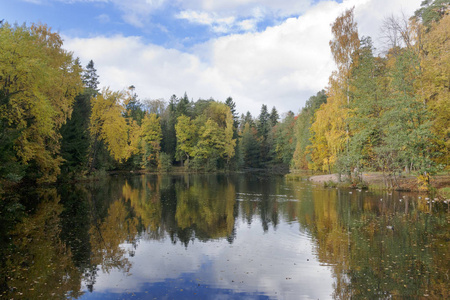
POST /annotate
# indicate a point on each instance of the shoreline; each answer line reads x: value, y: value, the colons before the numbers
x: 377, y: 180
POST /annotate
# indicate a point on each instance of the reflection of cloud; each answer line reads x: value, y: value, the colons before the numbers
x: 274, y: 265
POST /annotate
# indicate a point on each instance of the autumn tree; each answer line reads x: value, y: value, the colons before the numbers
x: 187, y: 136
x: 39, y: 80
x: 330, y: 130
x: 435, y: 81
x: 343, y: 46
x: 108, y: 124
x: 150, y: 140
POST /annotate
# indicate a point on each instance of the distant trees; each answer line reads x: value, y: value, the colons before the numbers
x: 387, y: 113
x: 208, y: 138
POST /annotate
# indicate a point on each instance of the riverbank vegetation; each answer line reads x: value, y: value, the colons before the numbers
x: 383, y: 110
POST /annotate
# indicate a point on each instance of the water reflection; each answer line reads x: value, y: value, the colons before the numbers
x: 209, y: 235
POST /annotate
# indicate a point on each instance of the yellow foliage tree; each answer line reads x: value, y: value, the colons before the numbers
x: 330, y: 130
x: 108, y: 124
x: 41, y: 81
x: 435, y: 81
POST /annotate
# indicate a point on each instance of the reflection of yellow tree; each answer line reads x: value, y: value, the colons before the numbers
x: 39, y: 265
x: 378, y: 249
x: 207, y: 207
x: 107, y: 236
x: 146, y: 202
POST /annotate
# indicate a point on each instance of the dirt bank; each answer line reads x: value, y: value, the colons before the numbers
x: 408, y: 182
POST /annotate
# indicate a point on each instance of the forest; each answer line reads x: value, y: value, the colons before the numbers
x: 383, y: 110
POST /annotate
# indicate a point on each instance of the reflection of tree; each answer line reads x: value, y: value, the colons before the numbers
x: 206, y: 209
x: 378, y: 249
x: 146, y: 202
x: 106, y: 237
x: 262, y: 197
x: 37, y: 263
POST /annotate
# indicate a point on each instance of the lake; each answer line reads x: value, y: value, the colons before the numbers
x: 221, y: 237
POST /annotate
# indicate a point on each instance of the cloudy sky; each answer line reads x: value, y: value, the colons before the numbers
x: 256, y: 51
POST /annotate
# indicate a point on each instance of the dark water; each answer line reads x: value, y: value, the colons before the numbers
x: 221, y: 237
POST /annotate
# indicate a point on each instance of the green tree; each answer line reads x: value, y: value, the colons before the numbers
x: 150, y: 140
x: 263, y: 124
x: 274, y: 117
x: 369, y: 88
x: 10, y: 167
x: 432, y: 11
x: 90, y: 77
x: 75, y: 135
x: 285, y: 139
x: 134, y: 109
x: 249, y: 147
x: 406, y: 134
x: 187, y: 136
x: 168, y: 121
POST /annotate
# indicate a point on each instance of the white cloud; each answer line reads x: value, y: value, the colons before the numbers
x: 282, y: 66
x: 103, y: 18
x: 221, y: 25
x: 245, y: 8
x: 136, y: 12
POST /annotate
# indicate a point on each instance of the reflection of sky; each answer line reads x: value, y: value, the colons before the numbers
x: 276, y: 264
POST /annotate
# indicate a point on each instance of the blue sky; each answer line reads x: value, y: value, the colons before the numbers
x: 256, y: 51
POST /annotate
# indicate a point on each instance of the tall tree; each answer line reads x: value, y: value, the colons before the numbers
x: 168, y: 121
x: 41, y: 80
x: 331, y: 129
x: 150, y: 140
x: 187, y: 137
x: 264, y: 127
x: 75, y: 133
x: 249, y: 147
x: 109, y: 125
x: 301, y: 157
x: 344, y: 45
x: 432, y: 11
x: 435, y: 85
x: 90, y: 77
x: 369, y: 88
x: 285, y: 142
x: 274, y: 117
x: 263, y: 124
x: 232, y: 105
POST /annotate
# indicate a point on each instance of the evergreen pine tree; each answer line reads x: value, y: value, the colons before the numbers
x: 90, y: 77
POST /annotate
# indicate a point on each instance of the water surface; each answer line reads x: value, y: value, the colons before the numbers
x: 218, y: 236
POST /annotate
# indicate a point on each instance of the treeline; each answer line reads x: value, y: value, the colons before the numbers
x: 390, y: 112
x: 387, y: 112
x: 55, y: 122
